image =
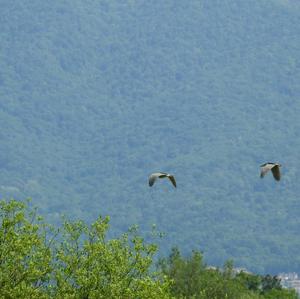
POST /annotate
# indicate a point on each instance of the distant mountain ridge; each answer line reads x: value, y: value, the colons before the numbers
x: 96, y: 96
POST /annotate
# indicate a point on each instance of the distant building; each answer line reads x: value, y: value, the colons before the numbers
x: 290, y: 280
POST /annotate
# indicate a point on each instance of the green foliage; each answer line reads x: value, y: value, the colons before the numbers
x: 270, y: 282
x: 25, y: 257
x: 78, y: 263
x: 192, y: 279
x: 88, y: 266
x: 250, y: 281
x: 185, y: 273
x: 280, y: 294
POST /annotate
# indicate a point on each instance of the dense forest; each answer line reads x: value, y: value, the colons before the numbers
x: 96, y: 95
x: 78, y: 261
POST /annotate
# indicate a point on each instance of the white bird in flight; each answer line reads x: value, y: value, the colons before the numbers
x: 161, y: 175
x: 274, y: 167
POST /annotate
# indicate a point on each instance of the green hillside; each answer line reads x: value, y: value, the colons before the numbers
x: 96, y: 95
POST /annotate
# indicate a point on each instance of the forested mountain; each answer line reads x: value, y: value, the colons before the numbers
x: 96, y: 95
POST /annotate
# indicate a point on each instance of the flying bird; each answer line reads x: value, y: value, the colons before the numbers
x: 274, y: 167
x: 161, y: 175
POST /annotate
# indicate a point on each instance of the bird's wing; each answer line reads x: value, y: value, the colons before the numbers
x: 276, y: 172
x: 172, y: 179
x: 152, y: 179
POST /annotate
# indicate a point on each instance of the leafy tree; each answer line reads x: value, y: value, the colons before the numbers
x: 270, y: 282
x: 79, y: 262
x: 89, y: 266
x: 185, y: 273
x: 250, y: 281
x: 25, y: 255
x: 280, y: 294
x: 192, y: 279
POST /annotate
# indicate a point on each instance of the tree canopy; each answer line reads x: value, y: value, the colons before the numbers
x: 78, y: 260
